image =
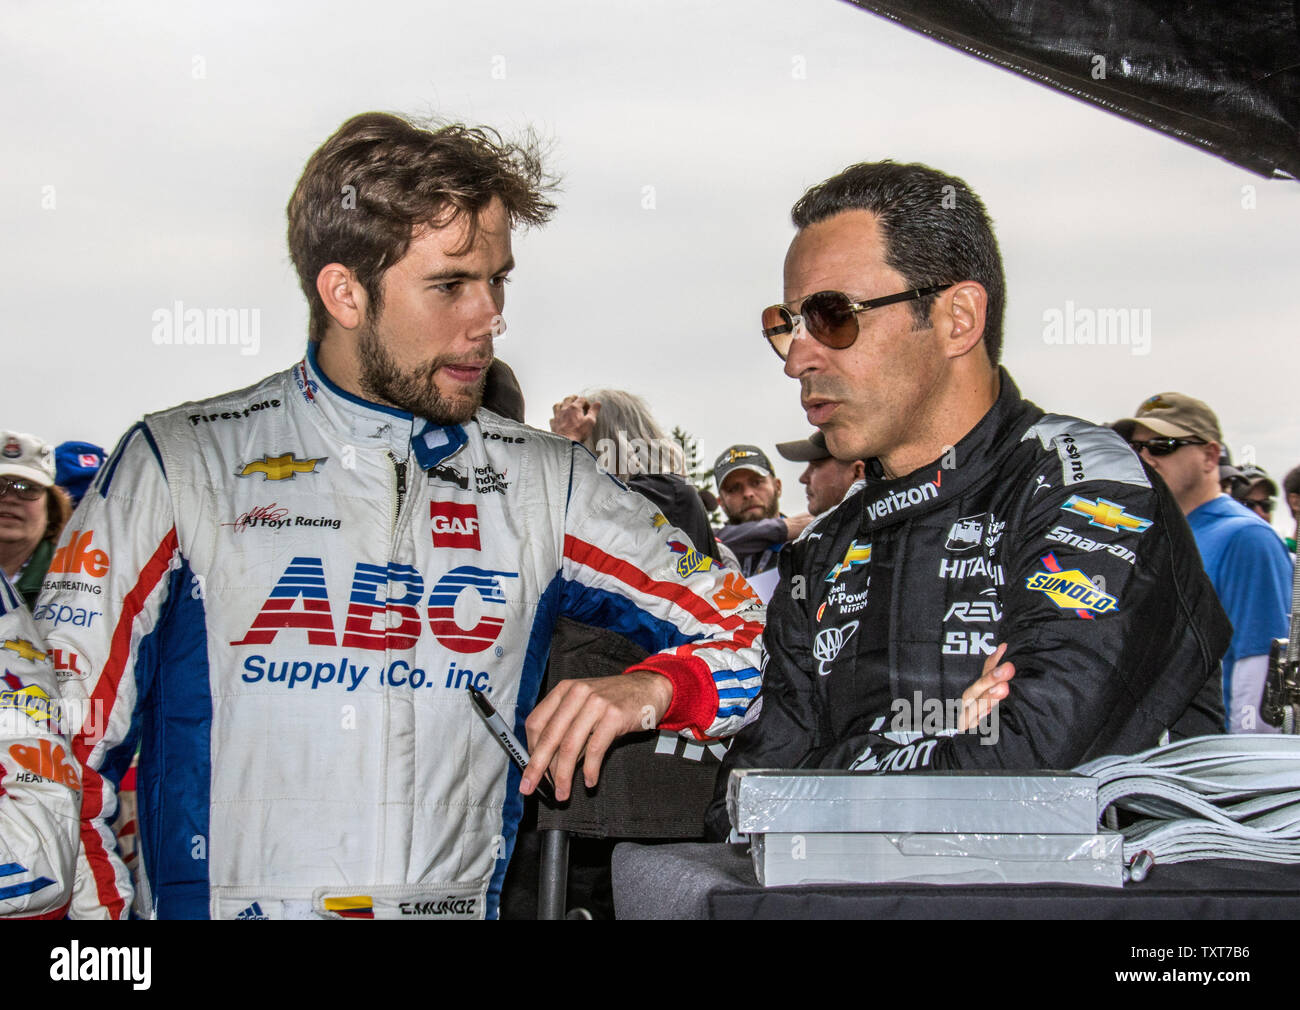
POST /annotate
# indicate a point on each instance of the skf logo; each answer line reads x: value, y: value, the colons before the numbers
x: 1108, y: 515
x: 284, y: 467
x: 76, y: 557
x: 25, y: 649
x: 857, y: 554
x: 454, y: 525
x: 49, y: 761
x: 1070, y: 590
x: 356, y: 906
x: 691, y: 561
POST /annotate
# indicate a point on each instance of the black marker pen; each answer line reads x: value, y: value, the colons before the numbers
x: 507, y: 740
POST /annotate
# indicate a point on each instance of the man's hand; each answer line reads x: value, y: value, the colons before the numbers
x: 586, y: 716
x: 574, y: 417
x: 794, y: 525
x: 982, y: 697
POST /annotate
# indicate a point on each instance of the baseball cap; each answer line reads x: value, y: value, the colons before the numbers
x: 26, y: 456
x: 1226, y: 470
x: 1174, y: 415
x: 741, y: 457
x: 75, y: 465
x: 806, y: 450
x: 1253, y: 475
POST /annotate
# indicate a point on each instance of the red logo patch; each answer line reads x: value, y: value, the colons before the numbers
x: 454, y: 525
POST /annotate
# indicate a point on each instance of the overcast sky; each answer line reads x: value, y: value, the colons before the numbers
x: 151, y: 148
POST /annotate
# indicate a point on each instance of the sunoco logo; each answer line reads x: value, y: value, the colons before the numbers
x: 896, y: 501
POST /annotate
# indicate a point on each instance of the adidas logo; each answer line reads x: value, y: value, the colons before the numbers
x: 253, y: 911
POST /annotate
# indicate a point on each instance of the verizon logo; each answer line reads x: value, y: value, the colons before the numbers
x: 896, y: 501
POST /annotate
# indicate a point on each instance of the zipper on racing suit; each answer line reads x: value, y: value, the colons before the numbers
x: 399, y: 468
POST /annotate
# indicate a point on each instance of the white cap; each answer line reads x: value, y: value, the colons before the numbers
x: 26, y: 456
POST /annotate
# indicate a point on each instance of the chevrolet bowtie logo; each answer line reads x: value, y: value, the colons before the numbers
x: 1107, y: 514
x: 857, y: 554
x: 284, y: 467
x: 25, y: 649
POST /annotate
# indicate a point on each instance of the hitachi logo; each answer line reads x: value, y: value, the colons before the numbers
x: 897, y: 500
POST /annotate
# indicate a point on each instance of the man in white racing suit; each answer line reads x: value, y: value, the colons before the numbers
x: 284, y: 592
x: 40, y: 783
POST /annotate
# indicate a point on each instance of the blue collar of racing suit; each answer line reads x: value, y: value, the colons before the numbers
x: 369, y: 422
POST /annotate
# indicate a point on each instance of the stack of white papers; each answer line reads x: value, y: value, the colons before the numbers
x: 1210, y: 797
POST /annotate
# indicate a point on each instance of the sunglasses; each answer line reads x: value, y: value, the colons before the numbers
x: 1163, y: 446
x: 830, y: 317
x: 24, y: 490
x: 1260, y: 504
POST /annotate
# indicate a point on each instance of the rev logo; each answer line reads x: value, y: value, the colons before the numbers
x: 454, y: 525
x: 829, y: 642
x: 76, y: 557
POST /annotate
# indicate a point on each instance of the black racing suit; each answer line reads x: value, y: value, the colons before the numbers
x: 1041, y: 531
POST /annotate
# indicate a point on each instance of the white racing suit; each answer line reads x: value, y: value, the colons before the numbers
x: 283, y: 593
x: 40, y: 783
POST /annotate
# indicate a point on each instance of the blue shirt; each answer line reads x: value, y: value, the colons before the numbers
x: 1251, y: 571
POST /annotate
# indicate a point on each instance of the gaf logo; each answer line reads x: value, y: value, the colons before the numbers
x: 454, y: 525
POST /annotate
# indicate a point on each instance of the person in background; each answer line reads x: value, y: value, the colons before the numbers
x: 1257, y: 491
x: 33, y: 511
x: 628, y: 442
x: 1291, y: 487
x: 1180, y: 437
x: 750, y: 495
x: 826, y: 480
x: 75, y: 464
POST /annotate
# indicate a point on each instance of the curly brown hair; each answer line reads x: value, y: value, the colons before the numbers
x: 58, y: 510
x: 380, y: 176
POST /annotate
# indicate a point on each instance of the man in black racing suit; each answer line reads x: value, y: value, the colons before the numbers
x: 982, y: 523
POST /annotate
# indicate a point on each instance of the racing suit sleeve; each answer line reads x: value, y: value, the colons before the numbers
x: 627, y: 569
x: 40, y: 784
x: 753, y: 536
x: 791, y: 726
x: 108, y: 596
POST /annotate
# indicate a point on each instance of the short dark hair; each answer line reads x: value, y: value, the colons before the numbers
x: 379, y: 177
x: 935, y: 229
x: 1291, y: 482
